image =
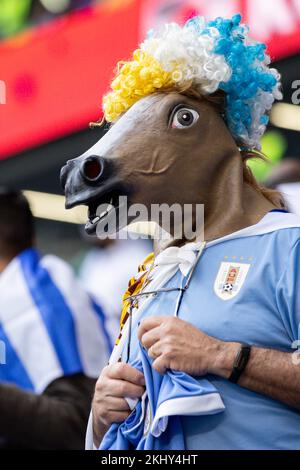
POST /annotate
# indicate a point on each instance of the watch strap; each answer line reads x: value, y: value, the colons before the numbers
x: 240, y: 363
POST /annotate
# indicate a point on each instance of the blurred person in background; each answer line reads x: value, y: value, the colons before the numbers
x: 286, y: 178
x: 288, y: 171
x: 106, y: 270
x: 53, y: 340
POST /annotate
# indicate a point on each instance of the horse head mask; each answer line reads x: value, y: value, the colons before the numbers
x: 183, y: 114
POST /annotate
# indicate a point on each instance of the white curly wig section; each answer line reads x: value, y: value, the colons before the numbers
x: 189, y: 56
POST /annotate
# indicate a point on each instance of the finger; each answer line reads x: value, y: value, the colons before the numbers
x: 118, y: 416
x: 160, y: 364
x: 126, y: 372
x: 121, y: 388
x: 155, y: 350
x: 148, y: 324
x: 151, y: 337
x: 117, y: 404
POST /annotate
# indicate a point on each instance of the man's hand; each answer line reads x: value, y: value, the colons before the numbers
x: 109, y: 405
x: 178, y: 345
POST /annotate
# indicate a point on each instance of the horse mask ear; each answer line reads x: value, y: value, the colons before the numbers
x: 101, y: 123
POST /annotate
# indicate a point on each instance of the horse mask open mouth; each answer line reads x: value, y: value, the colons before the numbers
x: 90, y: 181
x: 168, y: 145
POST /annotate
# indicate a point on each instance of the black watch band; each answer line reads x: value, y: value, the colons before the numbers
x: 240, y: 363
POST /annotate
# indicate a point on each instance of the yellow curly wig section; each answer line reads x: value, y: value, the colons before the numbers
x: 134, y: 79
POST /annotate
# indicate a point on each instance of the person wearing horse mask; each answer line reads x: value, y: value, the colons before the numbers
x: 207, y: 353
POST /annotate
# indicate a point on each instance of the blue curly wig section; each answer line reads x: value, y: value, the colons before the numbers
x: 252, y: 87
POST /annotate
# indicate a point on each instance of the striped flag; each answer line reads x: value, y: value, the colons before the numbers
x: 49, y: 326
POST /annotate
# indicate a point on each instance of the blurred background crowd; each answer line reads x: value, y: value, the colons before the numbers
x: 57, y: 58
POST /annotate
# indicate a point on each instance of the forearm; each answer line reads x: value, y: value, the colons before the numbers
x: 269, y: 372
x: 55, y: 420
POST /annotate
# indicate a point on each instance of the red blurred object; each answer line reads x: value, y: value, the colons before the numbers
x: 56, y: 74
x: 275, y: 22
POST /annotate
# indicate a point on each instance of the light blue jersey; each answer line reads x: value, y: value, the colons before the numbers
x: 155, y: 420
x: 246, y: 288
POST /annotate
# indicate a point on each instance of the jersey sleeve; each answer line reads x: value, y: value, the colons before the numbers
x: 288, y: 295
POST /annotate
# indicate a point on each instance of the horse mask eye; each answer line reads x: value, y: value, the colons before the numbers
x: 184, y: 117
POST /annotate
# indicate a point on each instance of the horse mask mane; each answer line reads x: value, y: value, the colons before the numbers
x: 206, y: 79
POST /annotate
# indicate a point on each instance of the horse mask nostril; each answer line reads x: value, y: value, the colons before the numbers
x: 92, y: 168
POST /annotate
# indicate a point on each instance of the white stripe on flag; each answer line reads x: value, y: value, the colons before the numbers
x: 91, y: 341
x: 25, y: 329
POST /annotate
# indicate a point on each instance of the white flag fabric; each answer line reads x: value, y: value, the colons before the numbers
x: 49, y: 326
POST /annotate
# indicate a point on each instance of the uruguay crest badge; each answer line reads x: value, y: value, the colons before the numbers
x: 230, y: 278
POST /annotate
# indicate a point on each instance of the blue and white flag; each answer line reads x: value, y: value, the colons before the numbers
x: 49, y: 326
x: 155, y: 421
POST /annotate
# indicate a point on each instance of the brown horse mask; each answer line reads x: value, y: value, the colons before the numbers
x: 151, y: 155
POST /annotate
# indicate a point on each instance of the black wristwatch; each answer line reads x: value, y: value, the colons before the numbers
x: 240, y: 363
